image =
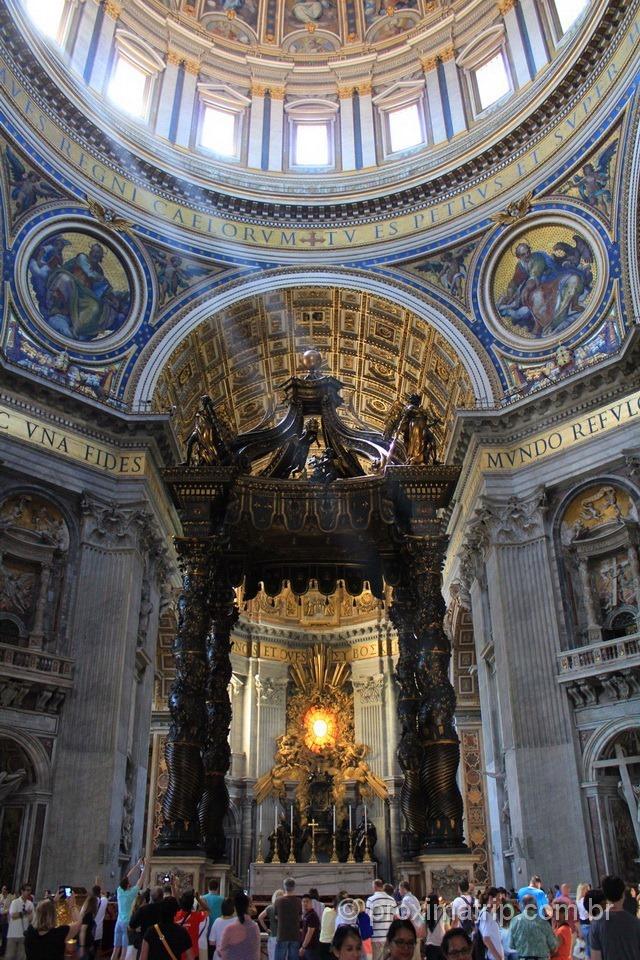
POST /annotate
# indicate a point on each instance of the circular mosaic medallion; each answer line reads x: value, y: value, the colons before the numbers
x: 544, y: 280
x: 79, y: 286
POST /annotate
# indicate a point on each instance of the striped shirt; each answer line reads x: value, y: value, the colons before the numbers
x: 381, y: 908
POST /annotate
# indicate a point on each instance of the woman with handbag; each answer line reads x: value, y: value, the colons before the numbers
x: 166, y: 940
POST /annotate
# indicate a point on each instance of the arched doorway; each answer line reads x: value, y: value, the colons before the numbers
x: 21, y: 817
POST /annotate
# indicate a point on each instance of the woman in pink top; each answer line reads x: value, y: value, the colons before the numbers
x: 241, y: 939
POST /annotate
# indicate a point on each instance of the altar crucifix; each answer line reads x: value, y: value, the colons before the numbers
x: 313, y: 858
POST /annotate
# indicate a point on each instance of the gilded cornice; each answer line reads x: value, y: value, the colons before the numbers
x: 504, y: 6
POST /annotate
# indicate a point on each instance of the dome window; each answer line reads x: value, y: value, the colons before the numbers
x: 492, y: 81
x: 218, y: 131
x: 401, y: 117
x: 221, y: 120
x: 568, y: 12
x: 311, y: 133
x: 128, y: 87
x: 47, y: 16
x: 405, y: 127
x: 133, y: 75
x: 311, y: 145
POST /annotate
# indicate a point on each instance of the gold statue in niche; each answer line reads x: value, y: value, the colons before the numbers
x: 410, y: 424
x: 319, y: 741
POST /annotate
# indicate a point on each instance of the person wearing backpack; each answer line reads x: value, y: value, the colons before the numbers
x: 463, y: 909
x: 487, y: 926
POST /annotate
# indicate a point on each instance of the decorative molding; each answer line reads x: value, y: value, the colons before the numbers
x: 504, y: 6
x: 369, y: 689
x: 270, y: 692
x: 112, y: 9
x: 429, y: 63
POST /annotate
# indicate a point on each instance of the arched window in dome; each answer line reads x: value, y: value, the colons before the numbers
x: 132, y: 80
x: 311, y: 133
x: 402, y: 117
x: 49, y: 17
x: 221, y: 120
x: 487, y: 69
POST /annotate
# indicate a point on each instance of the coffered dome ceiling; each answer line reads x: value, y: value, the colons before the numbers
x: 380, y: 352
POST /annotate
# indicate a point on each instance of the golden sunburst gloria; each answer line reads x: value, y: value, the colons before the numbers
x: 320, y: 729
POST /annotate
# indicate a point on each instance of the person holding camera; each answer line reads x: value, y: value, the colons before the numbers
x: 20, y: 914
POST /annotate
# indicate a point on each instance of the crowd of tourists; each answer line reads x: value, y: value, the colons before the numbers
x: 158, y: 923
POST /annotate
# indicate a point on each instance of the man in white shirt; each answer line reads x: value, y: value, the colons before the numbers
x: 463, y: 908
x: 20, y: 914
x: 409, y: 909
x: 99, y: 917
x: 488, y: 926
x: 382, y: 909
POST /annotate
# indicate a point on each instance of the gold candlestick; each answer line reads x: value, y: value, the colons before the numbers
x: 351, y: 858
x: 334, y: 851
x: 292, y: 856
x: 260, y: 858
x: 367, y: 853
x: 313, y: 858
x: 276, y: 855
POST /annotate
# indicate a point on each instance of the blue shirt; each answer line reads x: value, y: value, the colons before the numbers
x: 540, y: 896
x: 214, y: 902
x: 125, y: 901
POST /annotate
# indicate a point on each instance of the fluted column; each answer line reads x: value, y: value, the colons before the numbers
x: 214, y: 804
x: 188, y: 729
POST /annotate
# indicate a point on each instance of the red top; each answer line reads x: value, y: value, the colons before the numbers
x: 563, y: 950
x: 194, y: 923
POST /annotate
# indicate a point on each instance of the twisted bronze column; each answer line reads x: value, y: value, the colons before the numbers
x: 216, y: 756
x: 429, y: 750
x: 186, y: 703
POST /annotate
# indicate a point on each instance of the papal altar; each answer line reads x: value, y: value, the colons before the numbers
x: 327, y: 878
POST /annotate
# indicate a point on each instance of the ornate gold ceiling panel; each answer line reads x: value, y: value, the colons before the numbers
x: 380, y: 351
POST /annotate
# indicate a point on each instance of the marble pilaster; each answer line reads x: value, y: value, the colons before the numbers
x: 87, y: 13
x: 347, y: 139
x: 93, y: 745
x: 104, y: 47
x: 534, y: 32
x: 256, y: 125
x: 532, y: 717
x: 516, y: 46
x: 167, y: 97
x: 276, y: 129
